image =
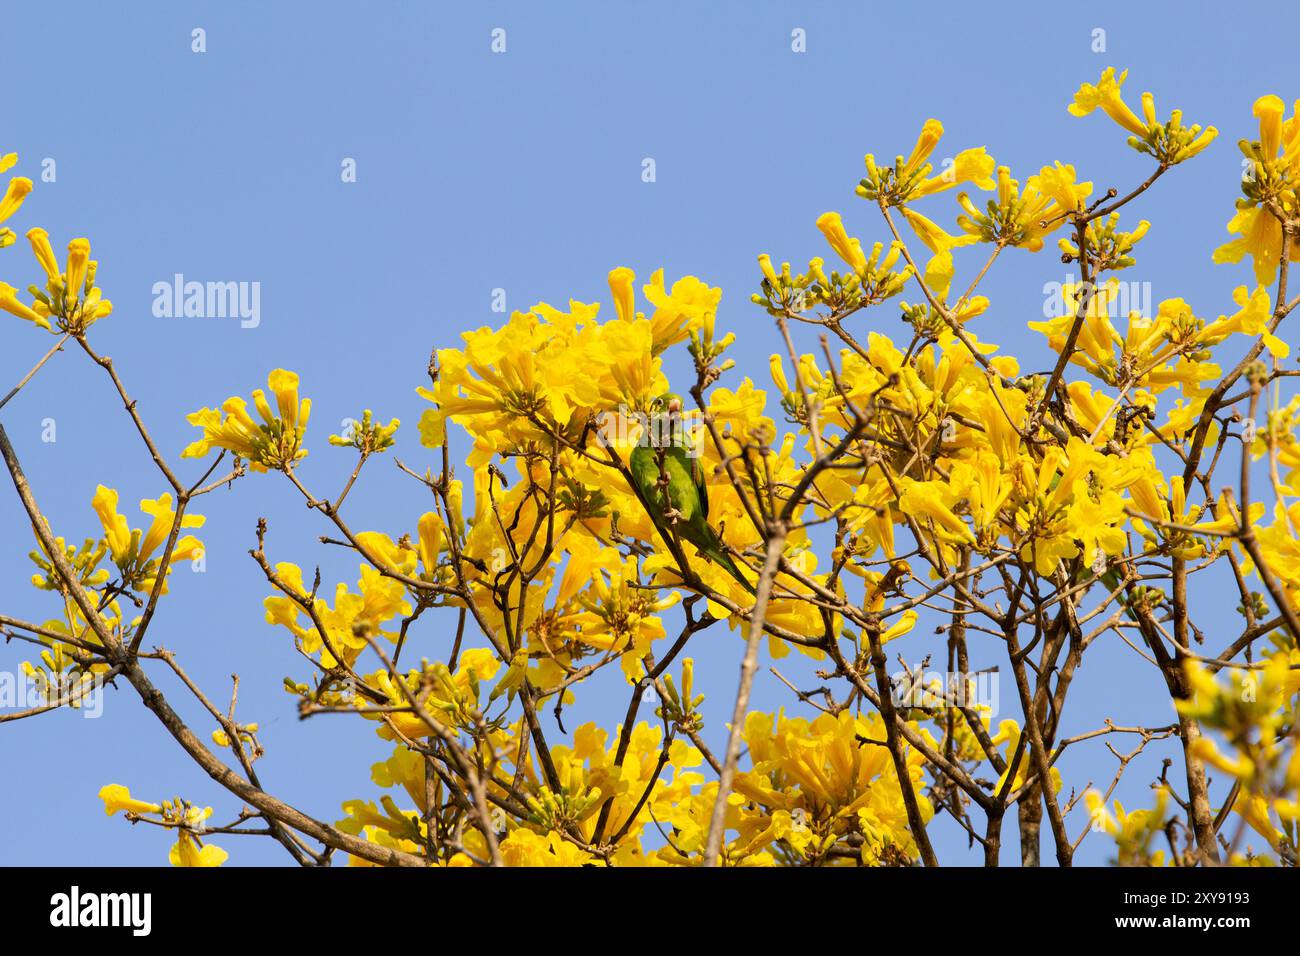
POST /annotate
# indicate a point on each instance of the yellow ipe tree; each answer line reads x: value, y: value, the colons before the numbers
x: 870, y: 482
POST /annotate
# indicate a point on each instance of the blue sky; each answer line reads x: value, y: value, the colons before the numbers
x: 518, y: 171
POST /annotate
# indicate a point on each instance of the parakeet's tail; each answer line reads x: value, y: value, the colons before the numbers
x: 719, y: 556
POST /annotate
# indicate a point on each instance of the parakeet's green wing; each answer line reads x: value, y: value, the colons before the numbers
x: 686, y: 492
x: 688, y: 497
x: 697, y: 475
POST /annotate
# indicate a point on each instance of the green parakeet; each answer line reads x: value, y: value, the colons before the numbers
x: 686, y: 494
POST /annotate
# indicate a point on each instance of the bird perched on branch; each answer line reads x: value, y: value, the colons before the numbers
x: 671, y: 481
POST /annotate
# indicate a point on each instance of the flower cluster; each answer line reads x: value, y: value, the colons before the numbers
x: 832, y: 512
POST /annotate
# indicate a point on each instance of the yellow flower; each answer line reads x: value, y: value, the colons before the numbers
x: 19, y: 188
x: 354, y: 617
x: 621, y: 617
x: 820, y: 773
x: 1098, y: 524
x: 71, y: 298
x: 939, y: 270
x: 78, y: 264
x: 163, y: 514
x: 132, y: 551
x: 380, y: 549
x: 620, y: 285
x: 187, y: 852
x: 275, y: 442
x: 44, y: 252
x: 1023, y: 218
x: 525, y: 848
x: 934, y: 500
x: 1106, y: 96
x: 1059, y: 182
x: 9, y: 303
x: 911, y: 179
x: 1259, y: 235
x: 742, y: 411
x: 931, y: 133
x: 540, y: 371
x: 1133, y: 831
x: 117, y: 797
x: 689, y: 306
x: 1270, y: 190
x: 904, y: 625
x: 1253, y: 319
x: 850, y: 250
x: 1254, y: 809
x: 1009, y: 734
x: 968, y: 166
x: 116, y: 530
x: 635, y: 375
x: 1170, y: 142
x: 430, y: 530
